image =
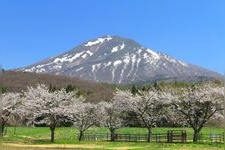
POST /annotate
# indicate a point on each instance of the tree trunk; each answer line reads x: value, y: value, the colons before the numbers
x: 81, y: 135
x: 3, y: 126
x: 196, y: 136
x: 149, y: 134
x: 112, y: 135
x: 52, y: 128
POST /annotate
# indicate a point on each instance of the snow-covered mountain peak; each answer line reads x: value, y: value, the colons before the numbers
x: 115, y: 59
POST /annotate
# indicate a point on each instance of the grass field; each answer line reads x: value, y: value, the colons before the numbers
x: 31, y: 138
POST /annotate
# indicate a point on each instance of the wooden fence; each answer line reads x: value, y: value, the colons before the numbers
x: 176, y: 136
x: 162, y: 137
x: 125, y: 137
x: 217, y: 137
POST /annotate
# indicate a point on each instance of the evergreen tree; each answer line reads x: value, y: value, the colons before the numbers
x: 156, y: 86
x: 144, y: 88
x: 4, y: 89
x: 52, y: 88
x: 70, y: 88
x: 134, y: 90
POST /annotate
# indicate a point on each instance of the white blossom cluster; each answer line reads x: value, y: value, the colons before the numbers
x: 193, y: 105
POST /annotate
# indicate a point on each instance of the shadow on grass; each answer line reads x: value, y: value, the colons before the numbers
x: 39, y: 141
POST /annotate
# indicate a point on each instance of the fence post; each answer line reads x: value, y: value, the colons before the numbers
x: 169, y: 136
x: 183, y: 136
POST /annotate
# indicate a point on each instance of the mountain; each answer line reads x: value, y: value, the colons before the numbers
x: 114, y: 59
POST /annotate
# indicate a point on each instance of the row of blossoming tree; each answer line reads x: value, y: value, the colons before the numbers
x: 192, y: 105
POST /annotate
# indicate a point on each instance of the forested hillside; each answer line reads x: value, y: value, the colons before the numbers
x: 15, y: 81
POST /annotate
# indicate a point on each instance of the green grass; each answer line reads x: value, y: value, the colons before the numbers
x: 65, y: 137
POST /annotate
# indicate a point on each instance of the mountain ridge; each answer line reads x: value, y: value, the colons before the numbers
x: 114, y: 59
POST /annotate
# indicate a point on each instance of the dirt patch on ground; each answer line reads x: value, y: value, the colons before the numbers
x: 14, y: 146
x: 53, y: 146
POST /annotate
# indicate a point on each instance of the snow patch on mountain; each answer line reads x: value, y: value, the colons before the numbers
x: 133, y: 59
x: 117, y: 62
x: 154, y: 54
x: 79, y: 69
x: 183, y: 63
x: 115, y: 49
x: 84, y: 56
x: 126, y: 58
x: 69, y: 58
x: 88, y: 52
x: 98, y: 41
x: 145, y: 55
x: 95, y: 67
x: 57, y: 67
x: 108, y: 64
x: 122, y: 46
x: 139, y: 51
x: 40, y: 70
x: 122, y: 71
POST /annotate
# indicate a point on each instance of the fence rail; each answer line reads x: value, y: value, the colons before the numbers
x: 161, y: 137
x: 125, y: 137
x: 217, y: 137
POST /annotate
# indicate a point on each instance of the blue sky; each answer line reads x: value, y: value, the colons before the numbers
x: 189, y: 30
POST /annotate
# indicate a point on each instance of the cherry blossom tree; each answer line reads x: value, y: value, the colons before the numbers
x: 114, y: 111
x: 197, y: 104
x: 84, y: 115
x: 150, y: 108
x: 11, y: 103
x: 45, y: 107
